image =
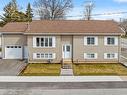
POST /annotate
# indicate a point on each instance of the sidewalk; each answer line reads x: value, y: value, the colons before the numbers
x: 61, y: 79
x: 66, y: 72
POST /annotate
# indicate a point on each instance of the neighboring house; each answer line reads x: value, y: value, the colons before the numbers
x: 77, y: 41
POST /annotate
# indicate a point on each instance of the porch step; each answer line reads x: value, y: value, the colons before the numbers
x: 66, y: 72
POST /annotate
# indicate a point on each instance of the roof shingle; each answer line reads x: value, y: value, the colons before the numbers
x: 64, y: 26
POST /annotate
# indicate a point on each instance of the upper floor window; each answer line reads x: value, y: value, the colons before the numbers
x: 91, y: 40
x: 111, y: 40
x: 44, y: 41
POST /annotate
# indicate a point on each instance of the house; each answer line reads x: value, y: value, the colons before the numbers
x: 94, y: 41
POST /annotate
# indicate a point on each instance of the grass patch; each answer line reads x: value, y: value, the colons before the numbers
x: 41, y: 70
x: 99, y: 69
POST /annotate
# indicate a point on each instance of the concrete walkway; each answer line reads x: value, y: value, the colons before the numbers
x: 11, y: 67
x: 60, y: 79
x: 66, y: 72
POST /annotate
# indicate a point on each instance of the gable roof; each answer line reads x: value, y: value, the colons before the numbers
x: 63, y: 26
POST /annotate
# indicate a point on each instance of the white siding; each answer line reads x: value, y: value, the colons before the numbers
x: 96, y: 40
x: 85, y: 40
x: 54, y: 41
x: 34, y: 41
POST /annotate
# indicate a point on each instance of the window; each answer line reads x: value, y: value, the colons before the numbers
x: 50, y: 55
x: 110, y: 41
x: 44, y: 41
x: 44, y: 55
x: 37, y: 41
x: 110, y: 56
x: 90, y: 40
x: 50, y: 42
x: 38, y: 55
x: 68, y: 48
x: 90, y: 55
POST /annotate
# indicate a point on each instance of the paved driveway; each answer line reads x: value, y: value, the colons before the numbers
x: 11, y: 67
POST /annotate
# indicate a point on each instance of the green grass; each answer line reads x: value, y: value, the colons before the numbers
x: 41, y: 70
x: 99, y: 69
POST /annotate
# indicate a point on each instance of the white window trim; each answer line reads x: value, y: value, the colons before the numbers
x: 53, y: 41
x: 96, y: 40
x: 85, y: 56
x: 35, y: 56
x: 105, y: 55
x: 116, y: 40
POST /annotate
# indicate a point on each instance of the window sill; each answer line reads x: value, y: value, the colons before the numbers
x: 44, y: 47
x: 91, y: 45
x: 111, y: 45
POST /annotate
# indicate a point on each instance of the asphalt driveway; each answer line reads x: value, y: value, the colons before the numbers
x: 11, y: 67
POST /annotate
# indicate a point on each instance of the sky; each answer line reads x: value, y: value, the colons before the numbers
x: 101, y: 7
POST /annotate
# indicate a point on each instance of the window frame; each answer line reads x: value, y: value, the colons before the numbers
x: 110, y: 55
x: 45, y: 43
x: 116, y: 40
x: 95, y: 43
x: 44, y: 56
x: 89, y: 55
x: 110, y: 41
x: 90, y: 39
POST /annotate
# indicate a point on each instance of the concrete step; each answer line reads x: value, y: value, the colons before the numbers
x: 66, y: 72
x: 67, y: 66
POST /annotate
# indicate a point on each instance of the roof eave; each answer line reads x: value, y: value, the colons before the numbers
x: 72, y: 33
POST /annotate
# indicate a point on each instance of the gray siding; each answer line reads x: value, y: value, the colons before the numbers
x: 79, y: 49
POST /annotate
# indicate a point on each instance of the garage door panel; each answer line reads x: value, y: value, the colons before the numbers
x: 13, y: 52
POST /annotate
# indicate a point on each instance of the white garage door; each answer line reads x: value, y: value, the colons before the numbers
x: 13, y: 52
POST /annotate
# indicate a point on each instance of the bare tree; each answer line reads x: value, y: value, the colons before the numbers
x: 89, y: 6
x: 52, y: 9
x: 123, y: 25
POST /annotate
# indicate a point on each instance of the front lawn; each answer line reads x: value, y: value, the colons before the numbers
x: 99, y: 69
x: 41, y: 70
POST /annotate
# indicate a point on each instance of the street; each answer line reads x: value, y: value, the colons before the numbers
x: 64, y: 92
x: 89, y: 88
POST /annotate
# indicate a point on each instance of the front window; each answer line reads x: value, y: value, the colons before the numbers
x: 37, y: 41
x: 90, y: 40
x: 44, y: 41
x: 110, y: 41
x: 90, y: 55
x: 110, y: 56
x: 38, y: 55
x: 50, y: 42
x: 45, y: 55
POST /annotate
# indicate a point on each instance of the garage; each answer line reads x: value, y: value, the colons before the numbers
x: 13, y: 52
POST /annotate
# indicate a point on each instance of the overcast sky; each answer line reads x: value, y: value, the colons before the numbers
x: 101, y: 6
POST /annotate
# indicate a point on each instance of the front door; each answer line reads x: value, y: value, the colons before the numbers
x: 66, y: 51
